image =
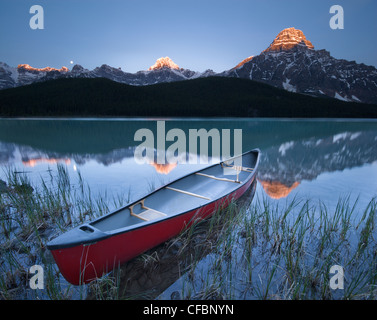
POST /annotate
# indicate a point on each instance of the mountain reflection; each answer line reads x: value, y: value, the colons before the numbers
x: 163, y: 168
x: 277, y: 189
x: 34, y: 162
x: 292, y: 151
x: 283, y: 167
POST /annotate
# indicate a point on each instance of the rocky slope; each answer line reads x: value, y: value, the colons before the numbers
x: 164, y: 70
x: 290, y: 63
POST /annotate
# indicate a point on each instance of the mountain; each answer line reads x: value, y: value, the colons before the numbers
x: 292, y: 63
x: 288, y: 39
x: 164, y: 70
x: 243, y: 62
x: 24, y: 74
x: 164, y: 63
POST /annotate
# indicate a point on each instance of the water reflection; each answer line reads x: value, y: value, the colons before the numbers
x: 277, y: 189
x: 293, y: 151
x: 36, y: 161
x: 163, y: 168
x: 317, y: 159
x: 285, y: 166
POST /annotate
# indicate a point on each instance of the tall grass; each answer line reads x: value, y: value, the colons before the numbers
x: 269, y: 252
x: 258, y: 250
x: 29, y: 217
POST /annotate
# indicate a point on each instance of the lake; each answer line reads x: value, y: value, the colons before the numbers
x: 316, y: 159
x: 320, y: 160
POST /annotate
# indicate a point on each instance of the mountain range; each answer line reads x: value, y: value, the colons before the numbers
x: 290, y: 63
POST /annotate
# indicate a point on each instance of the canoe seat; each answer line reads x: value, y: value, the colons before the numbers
x: 237, y: 168
x: 188, y: 193
x: 217, y: 178
x: 148, y: 213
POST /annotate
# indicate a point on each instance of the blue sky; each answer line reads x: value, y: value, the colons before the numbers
x: 214, y: 34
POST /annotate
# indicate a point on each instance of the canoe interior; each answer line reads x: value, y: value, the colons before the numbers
x: 202, y: 190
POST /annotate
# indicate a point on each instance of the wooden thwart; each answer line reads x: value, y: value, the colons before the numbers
x: 216, y: 178
x: 148, y: 213
x: 237, y: 168
x: 188, y: 193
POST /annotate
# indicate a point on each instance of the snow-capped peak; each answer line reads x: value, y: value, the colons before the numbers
x: 289, y: 38
x: 164, y: 62
x: 47, y: 69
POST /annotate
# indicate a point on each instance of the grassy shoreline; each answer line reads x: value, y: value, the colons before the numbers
x: 257, y: 250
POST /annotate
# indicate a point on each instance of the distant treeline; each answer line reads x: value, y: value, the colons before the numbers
x: 204, y: 97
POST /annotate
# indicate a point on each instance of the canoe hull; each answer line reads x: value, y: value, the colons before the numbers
x: 86, y: 262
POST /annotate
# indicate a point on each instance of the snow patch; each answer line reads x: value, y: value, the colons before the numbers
x: 285, y: 146
x: 287, y: 86
x: 339, y: 136
x: 339, y: 97
x: 355, y: 135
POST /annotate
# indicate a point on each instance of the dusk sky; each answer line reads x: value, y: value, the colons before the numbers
x: 197, y: 35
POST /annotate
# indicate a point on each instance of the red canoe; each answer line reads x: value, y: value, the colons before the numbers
x: 93, y: 249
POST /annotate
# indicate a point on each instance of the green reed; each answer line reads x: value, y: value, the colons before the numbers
x: 267, y: 251
x: 29, y: 216
x: 263, y: 250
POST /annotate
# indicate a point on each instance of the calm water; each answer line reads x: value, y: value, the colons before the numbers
x: 317, y: 159
x: 320, y: 160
